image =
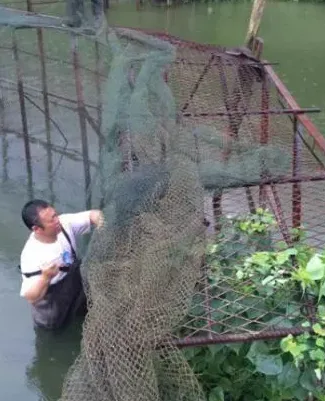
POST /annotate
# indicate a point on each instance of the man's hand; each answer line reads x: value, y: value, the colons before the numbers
x: 97, y: 218
x: 50, y: 271
x: 39, y: 289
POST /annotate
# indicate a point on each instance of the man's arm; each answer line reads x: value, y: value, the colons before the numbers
x: 38, y: 290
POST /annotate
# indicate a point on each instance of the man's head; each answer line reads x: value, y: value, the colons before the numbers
x: 40, y: 217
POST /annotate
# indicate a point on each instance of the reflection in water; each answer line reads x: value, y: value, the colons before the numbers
x: 55, y: 352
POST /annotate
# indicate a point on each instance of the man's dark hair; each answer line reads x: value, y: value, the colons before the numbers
x: 30, y: 212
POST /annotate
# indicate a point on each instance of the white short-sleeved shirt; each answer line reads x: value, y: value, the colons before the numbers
x: 36, y: 254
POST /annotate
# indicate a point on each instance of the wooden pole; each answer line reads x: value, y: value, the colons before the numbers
x: 255, y: 21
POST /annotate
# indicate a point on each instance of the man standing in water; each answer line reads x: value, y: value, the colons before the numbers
x: 49, y: 264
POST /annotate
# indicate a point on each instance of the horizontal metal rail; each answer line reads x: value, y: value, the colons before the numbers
x: 297, y: 111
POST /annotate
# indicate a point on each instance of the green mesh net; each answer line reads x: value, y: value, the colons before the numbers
x: 156, y: 129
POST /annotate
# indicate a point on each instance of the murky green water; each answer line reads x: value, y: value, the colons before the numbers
x: 32, y: 367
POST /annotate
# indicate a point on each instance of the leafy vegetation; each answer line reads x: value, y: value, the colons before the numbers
x: 245, y: 259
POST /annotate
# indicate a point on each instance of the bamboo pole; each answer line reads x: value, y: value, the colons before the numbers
x: 255, y: 21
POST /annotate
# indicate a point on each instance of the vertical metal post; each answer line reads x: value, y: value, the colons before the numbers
x: 29, y: 5
x: 101, y: 139
x: 46, y: 111
x: 296, y: 187
x: 264, y: 137
x: 4, y: 141
x: 82, y: 119
x: 20, y: 87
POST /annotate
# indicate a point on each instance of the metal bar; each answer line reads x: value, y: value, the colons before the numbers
x: 254, y: 112
x: 279, y: 180
x: 20, y: 88
x: 70, y: 154
x: 66, y: 99
x: 233, y: 129
x: 233, y: 338
x: 217, y: 209
x: 101, y: 138
x: 82, y: 120
x: 296, y: 187
x: 41, y: 3
x: 291, y: 118
x: 264, y: 137
x: 99, y: 100
x: 64, y: 62
x: 94, y: 125
x: 51, y: 119
x: 4, y: 141
x: 278, y: 213
x: 303, y: 119
x: 234, y: 124
x: 163, y: 135
x: 197, y: 84
x: 46, y: 111
x: 249, y: 64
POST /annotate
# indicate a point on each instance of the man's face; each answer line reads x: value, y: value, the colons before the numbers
x: 50, y: 222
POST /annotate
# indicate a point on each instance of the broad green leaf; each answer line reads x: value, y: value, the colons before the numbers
x: 320, y: 342
x: 240, y: 274
x: 280, y: 321
x: 191, y: 352
x: 289, y: 375
x: 236, y: 347
x: 261, y: 258
x: 269, y: 280
x: 293, y: 310
x: 319, y: 330
x: 321, y: 291
x: 300, y: 393
x: 321, y: 311
x: 317, y: 355
x: 215, y: 349
x: 264, y: 362
x: 216, y: 394
x: 308, y: 380
x: 270, y: 365
x: 316, y: 267
x: 287, y: 343
x: 257, y: 348
x: 318, y: 374
x: 284, y: 256
x: 211, y: 249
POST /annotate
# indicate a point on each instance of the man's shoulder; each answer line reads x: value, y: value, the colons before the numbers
x: 31, y: 250
x: 29, y: 245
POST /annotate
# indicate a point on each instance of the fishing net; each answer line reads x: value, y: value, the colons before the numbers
x: 169, y: 128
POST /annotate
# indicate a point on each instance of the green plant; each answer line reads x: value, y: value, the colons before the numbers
x: 245, y: 259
